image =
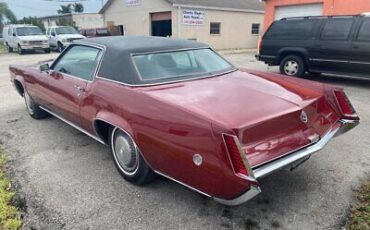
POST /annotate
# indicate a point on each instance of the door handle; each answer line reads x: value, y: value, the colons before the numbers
x: 79, y: 88
x: 356, y: 46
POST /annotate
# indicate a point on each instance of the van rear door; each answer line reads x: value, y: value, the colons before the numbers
x: 331, y: 51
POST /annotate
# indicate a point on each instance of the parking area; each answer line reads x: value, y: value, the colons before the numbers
x: 69, y: 180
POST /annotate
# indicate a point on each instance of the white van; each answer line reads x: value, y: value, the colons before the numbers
x: 25, y: 38
x: 61, y: 36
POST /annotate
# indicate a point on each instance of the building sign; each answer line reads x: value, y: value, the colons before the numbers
x: 193, y: 17
x: 133, y: 2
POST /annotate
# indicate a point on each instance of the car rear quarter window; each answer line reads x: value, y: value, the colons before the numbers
x: 291, y: 29
x: 337, y: 29
x: 364, y: 33
x: 79, y: 61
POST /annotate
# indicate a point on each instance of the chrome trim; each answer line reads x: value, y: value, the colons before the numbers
x: 188, y: 186
x: 251, y: 193
x: 328, y: 60
x: 343, y: 126
x: 74, y: 126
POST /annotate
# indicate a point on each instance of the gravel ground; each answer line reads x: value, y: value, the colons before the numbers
x: 69, y: 181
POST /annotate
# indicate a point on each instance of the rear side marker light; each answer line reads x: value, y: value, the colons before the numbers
x: 238, y: 159
x: 344, y: 104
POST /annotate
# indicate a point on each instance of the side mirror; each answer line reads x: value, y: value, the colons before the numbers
x: 44, y: 67
x: 14, y: 35
x: 53, y: 34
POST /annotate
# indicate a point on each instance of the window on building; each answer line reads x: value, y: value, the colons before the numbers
x: 337, y: 29
x: 215, y: 28
x: 255, y: 28
x: 364, y: 34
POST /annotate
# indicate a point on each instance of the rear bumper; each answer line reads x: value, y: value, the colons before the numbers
x: 298, y: 156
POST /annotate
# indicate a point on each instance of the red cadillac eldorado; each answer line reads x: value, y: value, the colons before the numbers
x: 178, y: 109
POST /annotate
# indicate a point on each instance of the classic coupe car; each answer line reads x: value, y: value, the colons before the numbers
x: 178, y: 109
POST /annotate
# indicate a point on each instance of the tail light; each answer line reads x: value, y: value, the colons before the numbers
x: 259, y: 45
x: 236, y: 157
x: 345, y: 104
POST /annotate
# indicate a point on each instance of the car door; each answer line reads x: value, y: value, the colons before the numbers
x: 11, y: 37
x: 360, y: 53
x: 331, y: 51
x: 69, y: 81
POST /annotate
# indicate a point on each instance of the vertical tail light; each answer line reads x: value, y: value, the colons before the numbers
x: 235, y: 154
x: 345, y: 105
x: 259, y: 45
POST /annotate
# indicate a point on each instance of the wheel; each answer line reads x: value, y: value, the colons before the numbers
x: 60, y: 47
x: 10, y: 49
x: 128, y: 159
x: 33, y: 108
x: 20, y: 50
x: 47, y: 51
x: 292, y: 65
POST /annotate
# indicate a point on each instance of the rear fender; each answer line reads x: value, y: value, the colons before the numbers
x: 293, y: 51
x: 114, y: 120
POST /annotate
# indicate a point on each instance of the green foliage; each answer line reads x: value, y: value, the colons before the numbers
x: 78, y: 7
x: 9, y: 215
x: 33, y: 21
x: 6, y: 13
x: 65, y: 9
x: 360, y: 214
x: 2, y: 48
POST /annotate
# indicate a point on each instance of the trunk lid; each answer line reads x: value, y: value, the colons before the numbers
x: 268, y: 117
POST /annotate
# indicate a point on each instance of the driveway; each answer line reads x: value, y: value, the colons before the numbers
x: 69, y: 181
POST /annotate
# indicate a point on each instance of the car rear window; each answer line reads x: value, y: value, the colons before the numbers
x: 179, y: 65
x: 337, y: 29
x: 291, y: 30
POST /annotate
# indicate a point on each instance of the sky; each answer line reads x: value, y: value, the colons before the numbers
x: 25, y: 8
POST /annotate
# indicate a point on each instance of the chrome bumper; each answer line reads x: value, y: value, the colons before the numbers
x: 300, y: 155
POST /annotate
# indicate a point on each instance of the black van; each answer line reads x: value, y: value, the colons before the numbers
x: 334, y: 44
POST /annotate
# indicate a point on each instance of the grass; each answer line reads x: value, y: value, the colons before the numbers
x: 9, y: 215
x: 2, y: 48
x: 360, y: 214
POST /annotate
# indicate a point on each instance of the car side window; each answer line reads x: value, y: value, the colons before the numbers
x: 364, y: 33
x: 291, y: 30
x: 337, y: 29
x: 79, y: 61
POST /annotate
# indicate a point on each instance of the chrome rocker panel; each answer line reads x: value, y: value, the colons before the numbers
x: 342, y: 127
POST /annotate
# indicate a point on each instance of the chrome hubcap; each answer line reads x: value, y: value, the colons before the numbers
x: 291, y: 67
x: 29, y: 103
x: 125, y: 152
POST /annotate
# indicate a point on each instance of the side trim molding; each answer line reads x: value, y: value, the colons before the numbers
x: 74, y: 126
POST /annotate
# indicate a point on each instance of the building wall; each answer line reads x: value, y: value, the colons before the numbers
x: 331, y: 7
x: 88, y: 21
x: 135, y: 19
x: 235, y: 29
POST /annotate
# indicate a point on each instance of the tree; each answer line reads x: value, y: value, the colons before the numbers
x: 78, y: 7
x: 6, y: 13
x: 65, y: 9
x: 33, y: 21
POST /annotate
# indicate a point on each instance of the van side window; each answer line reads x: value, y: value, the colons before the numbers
x: 364, y: 34
x: 337, y: 29
x: 291, y: 30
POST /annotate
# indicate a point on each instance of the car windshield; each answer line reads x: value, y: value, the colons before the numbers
x: 66, y: 30
x: 179, y: 65
x: 26, y: 31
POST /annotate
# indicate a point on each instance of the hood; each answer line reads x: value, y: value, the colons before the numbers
x: 71, y: 36
x: 33, y: 38
x: 237, y: 99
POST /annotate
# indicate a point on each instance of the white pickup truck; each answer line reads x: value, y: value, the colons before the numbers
x: 61, y: 36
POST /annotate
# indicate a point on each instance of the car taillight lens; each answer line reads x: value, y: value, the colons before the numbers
x: 259, y: 45
x: 344, y: 104
x: 235, y: 155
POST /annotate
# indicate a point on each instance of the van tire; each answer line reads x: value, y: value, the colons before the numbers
x: 60, y: 47
x: 292, y: 65
x: 20, y: 50
x: 10, y: 49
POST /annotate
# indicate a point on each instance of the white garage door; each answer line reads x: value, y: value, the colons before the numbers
x: 298, y: 11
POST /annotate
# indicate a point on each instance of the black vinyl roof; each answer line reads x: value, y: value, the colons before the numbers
x: 117, y: 63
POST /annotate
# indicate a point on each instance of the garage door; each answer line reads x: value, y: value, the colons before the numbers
x: 298, y: 11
